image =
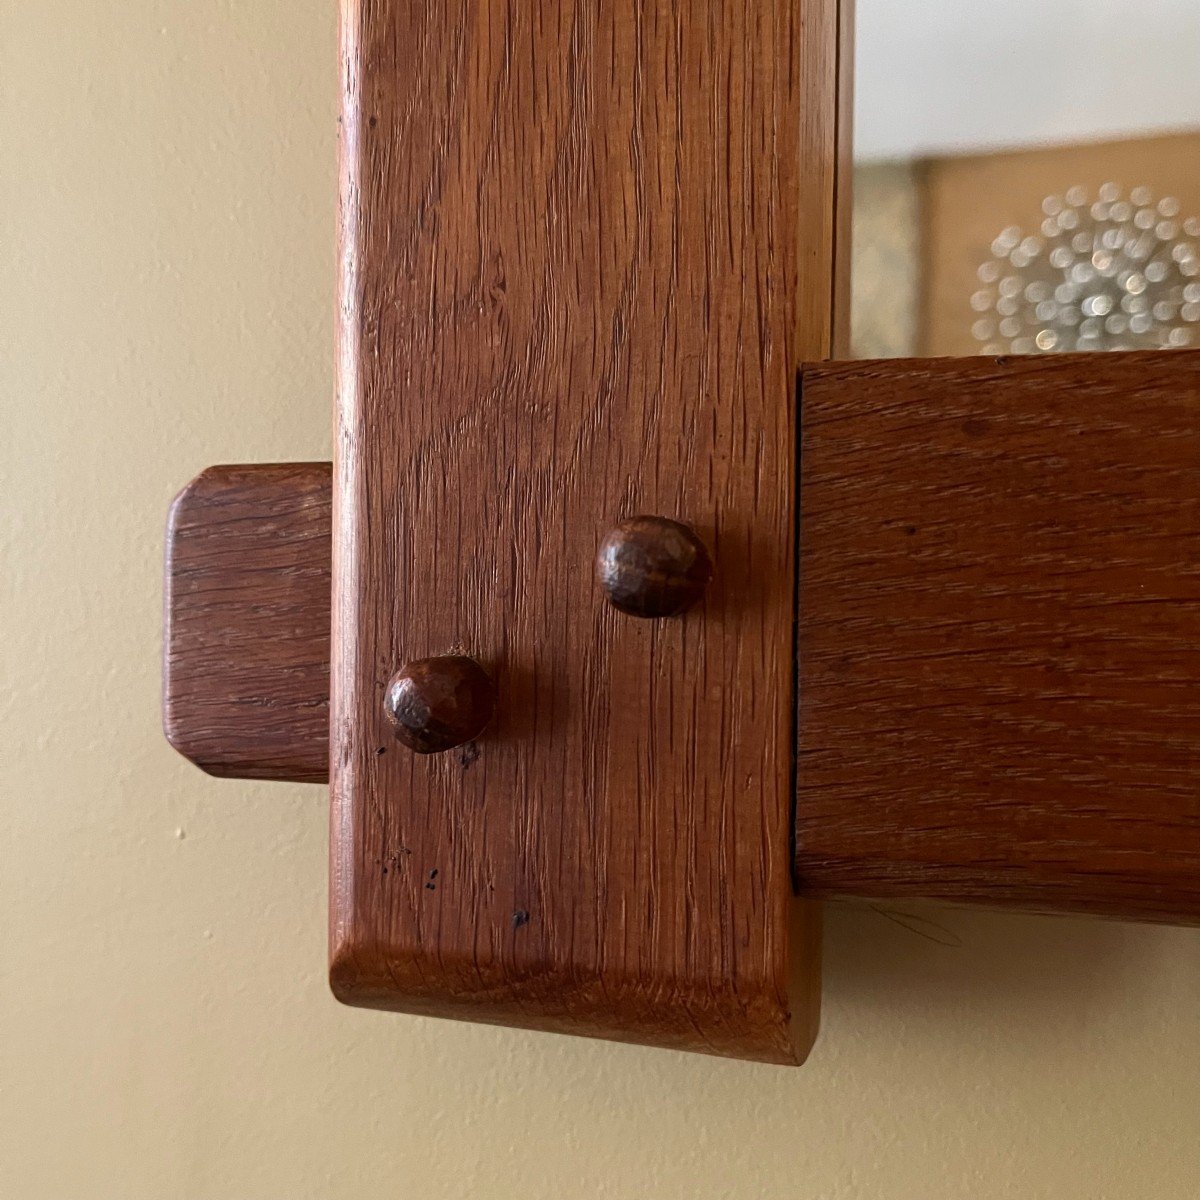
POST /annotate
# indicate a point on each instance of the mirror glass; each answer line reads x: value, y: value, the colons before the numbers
x: 1026, y: 176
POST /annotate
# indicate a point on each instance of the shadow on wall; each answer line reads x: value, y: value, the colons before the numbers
x: 938, y: 960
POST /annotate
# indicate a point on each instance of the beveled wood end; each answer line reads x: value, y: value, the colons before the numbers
x: 246, y: 622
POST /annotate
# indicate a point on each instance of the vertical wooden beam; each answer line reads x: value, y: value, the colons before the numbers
x: 841, y: 341
x: 826, y: 74
x: 573, y: 290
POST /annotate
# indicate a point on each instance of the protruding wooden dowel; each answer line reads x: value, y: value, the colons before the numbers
x: 246, y: 646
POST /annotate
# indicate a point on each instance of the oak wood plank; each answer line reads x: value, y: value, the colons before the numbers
x: 246, y: 619
x: 576, y: 285
x: 1000, y: 632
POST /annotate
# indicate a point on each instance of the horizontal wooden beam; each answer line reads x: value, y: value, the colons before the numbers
x: 1000, y: 632
x: 246, y: 653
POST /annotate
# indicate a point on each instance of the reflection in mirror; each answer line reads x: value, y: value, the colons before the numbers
x: 1026, y: 178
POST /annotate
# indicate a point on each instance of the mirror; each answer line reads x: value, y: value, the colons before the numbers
x: 1026, y: 177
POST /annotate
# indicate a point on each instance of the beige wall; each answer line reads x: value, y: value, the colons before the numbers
x: 166, y: 272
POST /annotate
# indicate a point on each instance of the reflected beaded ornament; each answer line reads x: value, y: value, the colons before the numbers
x: 1114, y: 273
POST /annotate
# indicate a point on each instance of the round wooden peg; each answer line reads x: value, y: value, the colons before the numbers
x: 653, y: 567
x: 435, y: 704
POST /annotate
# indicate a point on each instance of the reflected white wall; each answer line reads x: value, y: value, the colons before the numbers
x: 944, y: 76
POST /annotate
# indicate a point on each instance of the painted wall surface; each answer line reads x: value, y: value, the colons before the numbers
x: 166, y: 283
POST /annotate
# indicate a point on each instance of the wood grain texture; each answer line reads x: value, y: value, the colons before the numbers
x: 573, y: 289
x: 1000, y: 632
x: 246, y: 646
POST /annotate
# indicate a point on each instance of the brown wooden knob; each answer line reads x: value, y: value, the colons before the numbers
x: 653, y: 567
x: 435, y: 704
